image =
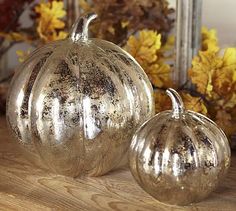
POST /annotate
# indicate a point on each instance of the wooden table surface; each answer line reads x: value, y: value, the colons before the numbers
x: 23, y: 187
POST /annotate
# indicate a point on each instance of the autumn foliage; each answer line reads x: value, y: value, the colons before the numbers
x: 212, y: 75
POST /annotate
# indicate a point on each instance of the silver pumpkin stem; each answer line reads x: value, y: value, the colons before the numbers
x: 177, y: 103
x: 80, y: 27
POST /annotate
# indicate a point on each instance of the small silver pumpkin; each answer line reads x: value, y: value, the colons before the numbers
x: 74, y: 104
x: 179, y: 156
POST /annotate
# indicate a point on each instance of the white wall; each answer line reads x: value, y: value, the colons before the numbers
x: 221, y: 15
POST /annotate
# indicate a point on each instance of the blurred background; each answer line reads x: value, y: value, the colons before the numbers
x: 146, y: 30
x: 216, y: 14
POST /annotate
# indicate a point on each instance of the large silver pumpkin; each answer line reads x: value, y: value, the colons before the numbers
x: 179, y: 156
x: 74, y: 104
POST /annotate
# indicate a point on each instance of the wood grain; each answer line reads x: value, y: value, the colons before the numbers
x: 23, y: 187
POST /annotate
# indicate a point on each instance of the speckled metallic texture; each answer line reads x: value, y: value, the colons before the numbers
x: 75, y: 104
x: 179, y: 157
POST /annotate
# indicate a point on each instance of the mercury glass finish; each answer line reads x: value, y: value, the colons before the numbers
x: 74, y: 104
x: 179, y: 156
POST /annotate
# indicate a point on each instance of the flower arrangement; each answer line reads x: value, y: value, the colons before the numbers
x: 143, y: 29
x: 48, y: 25
x: 151, y: 56
x: 212, y: 76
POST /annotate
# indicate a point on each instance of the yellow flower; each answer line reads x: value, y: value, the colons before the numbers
x: 59, y: 36
x: 203, y: 68
x: 209, y: 40
x: 214, y: 76
x: 145, y: 49
x: 49, y: 20
x: 54, y: 9
x: 159, y: 75
x: 194, y: 103
x: 162, y: 101
x: 223, y: 79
